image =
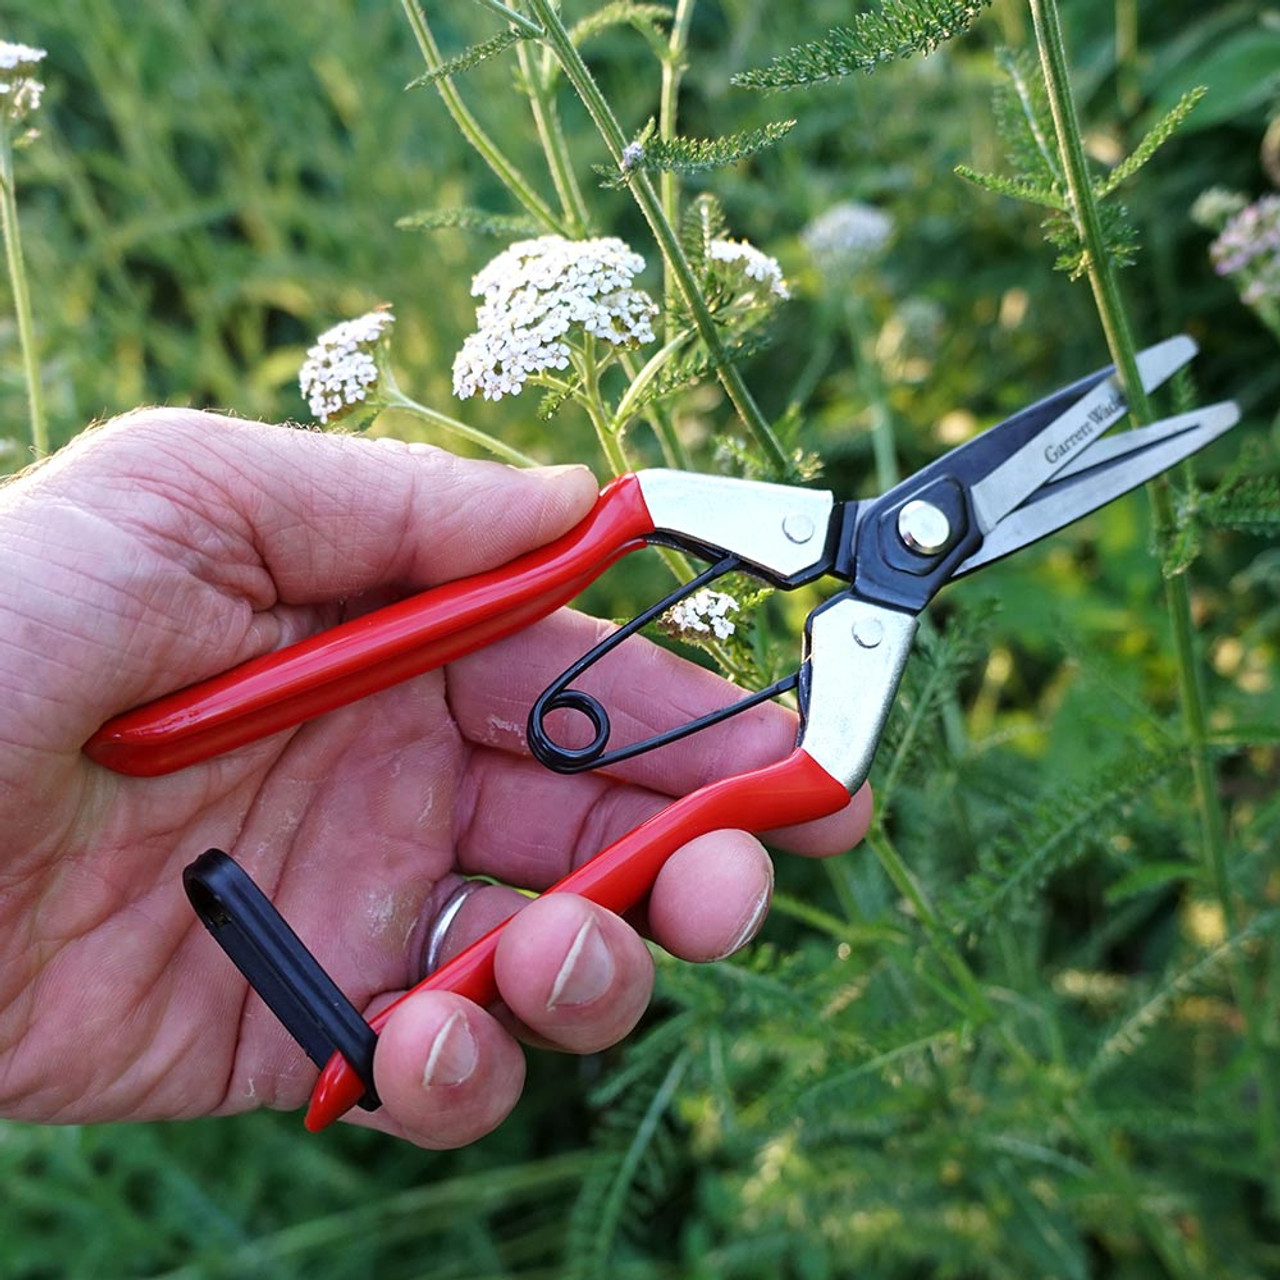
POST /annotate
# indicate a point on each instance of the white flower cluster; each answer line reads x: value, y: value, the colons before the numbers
x: 704, y: 613
x: 341, y: 368
x: 847, y: 235
x: 20, y: 91
x: 753, y: 264
x: 534, y: 293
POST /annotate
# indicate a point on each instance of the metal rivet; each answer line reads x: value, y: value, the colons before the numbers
x: 798, y: 527
x: 924, y: 527
x: 868, y: 632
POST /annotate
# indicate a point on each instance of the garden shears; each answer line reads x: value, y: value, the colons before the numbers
x: 1032, y: 474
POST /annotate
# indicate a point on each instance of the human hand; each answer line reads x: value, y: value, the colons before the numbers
x: 172, y: 545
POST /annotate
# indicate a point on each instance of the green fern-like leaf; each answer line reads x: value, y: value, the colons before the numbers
x: 467, y: 219
x: 646, y: 18
x: 1023, y: 120
x: 636, y: 1134
x: 1061, y: 833
x: 699, y: 365
x: 1244, y: 502
x: 1128, y: 1035
x: 1118, y: 232
x: 1249, y: 504
x: 900, y: 29
x: 554, y: 401
x: 694, y: 155
x: 703, y: 222
x: 1025, y: 189
x: 1156, y: 137
x: 470, y: 57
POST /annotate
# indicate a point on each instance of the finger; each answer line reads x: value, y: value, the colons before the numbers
x: 446, y: 1070
x: 199, y: 528
x: 711, y: 897
x: 573, y: 973
x: 333, y: 515
x: 645, y: 689
x: 564, y: 821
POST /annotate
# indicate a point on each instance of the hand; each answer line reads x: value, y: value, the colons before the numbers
x: 172, y: 545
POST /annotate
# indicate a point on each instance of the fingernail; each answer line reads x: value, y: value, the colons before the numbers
x: 453, y: 1055
x: 751, y: 922
x: 586, y: 972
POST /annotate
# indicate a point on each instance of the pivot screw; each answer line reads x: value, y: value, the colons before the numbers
x: 798, y: 527
x: 868, y: 632
x: 924, y: 527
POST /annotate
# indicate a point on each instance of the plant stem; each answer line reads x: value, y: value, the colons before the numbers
x: 669, y: 184
x: 21, y: 296
x: 537, y: 76
x: 469, y: 127
x: 591, y: 399
x: 396, y: 399
x: 579, y: 76
x: 874, y: 395
x: 515, y: 19
x: 1120, y: 340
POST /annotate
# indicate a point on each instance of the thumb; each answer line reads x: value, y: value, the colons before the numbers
x: 329, y: 516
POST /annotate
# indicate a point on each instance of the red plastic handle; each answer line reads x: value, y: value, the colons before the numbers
x: 793, y: 790
x: 367, y: 654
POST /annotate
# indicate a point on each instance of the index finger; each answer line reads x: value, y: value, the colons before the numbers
x: 645, y: 689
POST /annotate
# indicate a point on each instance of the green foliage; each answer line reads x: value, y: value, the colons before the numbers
x: 1010, y: 1035
x: 467, y: 219
x: 898, y: 30
x: 1244, y: 501
x: 470, y: 57
x: 648, y: 19
x: 697, y: 155
x: 1021, y: 110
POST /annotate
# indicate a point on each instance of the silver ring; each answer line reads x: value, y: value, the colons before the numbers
x: 444, y: 918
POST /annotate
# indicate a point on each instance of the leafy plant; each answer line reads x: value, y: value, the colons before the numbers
x: 1030, y: 1028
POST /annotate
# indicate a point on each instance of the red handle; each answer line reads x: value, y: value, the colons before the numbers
x: 793, y: 790
x: 367, y: 654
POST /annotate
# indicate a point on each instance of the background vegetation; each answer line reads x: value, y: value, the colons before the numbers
x: 1031, y: 1029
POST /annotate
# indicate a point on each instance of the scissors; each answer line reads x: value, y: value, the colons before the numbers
x: 1034, y: 473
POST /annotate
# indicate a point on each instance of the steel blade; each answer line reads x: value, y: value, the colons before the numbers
x: 1105, y: 478
x: 1057, y: 446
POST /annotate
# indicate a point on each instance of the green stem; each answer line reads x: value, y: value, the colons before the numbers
x: 1120, y: 340
x: 641, y: 380
x: 871, y: 383
x: 517, y: 20
x: 396, y: 399
x: 547, y: 122
x: 21, y: 296
x: 469, y: 127
x: 579, y: 76
x: 911, y: 889
x: 669, y: 184
x: 591, y: 399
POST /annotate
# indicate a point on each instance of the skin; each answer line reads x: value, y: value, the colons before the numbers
x: 169, y: 546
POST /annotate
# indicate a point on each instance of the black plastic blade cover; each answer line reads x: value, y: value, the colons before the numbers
x: 290, y: 980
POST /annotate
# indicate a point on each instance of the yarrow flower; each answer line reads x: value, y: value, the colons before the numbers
x: 847, y: 236
x: 1249, y: 248
x: 704, y: 613
x: 751, y: 265
x: 341, y: 369
x: 535, y: 293
x: 1252, y: 233
x: 1216, y: 207
x: 20, y: 91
